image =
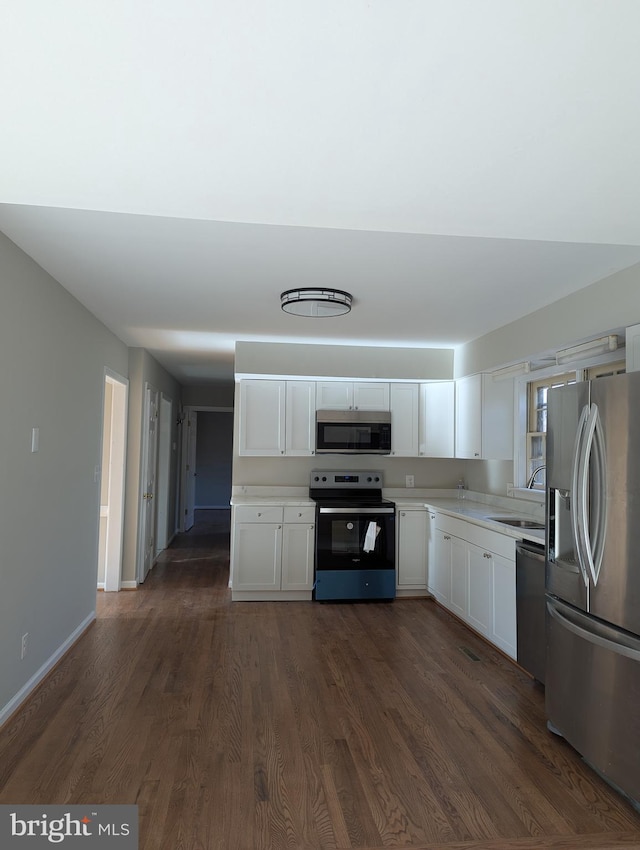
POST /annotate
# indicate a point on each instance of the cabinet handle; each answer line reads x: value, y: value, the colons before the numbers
x: 487, y: 554
x: 446, y: 537
x: 259, y: 514
x: 402, y: 513
x: 476, y: 454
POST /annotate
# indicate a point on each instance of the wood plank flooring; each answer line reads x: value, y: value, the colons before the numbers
x: 243, y: 726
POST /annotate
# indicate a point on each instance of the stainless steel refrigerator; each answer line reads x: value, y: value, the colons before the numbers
x: 593, y: 574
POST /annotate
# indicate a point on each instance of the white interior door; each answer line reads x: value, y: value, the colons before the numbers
x: 191, y: 424
x: 163, y: 532
x: 149, y: 480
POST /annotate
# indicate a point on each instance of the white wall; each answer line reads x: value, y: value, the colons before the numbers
x: 419, y: 364
x: 53, y: 355
x: 611, y: 303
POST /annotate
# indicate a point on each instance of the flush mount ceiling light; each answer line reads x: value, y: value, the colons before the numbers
x: 317, y: 303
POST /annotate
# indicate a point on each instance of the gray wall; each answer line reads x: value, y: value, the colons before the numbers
x: 53, y: 355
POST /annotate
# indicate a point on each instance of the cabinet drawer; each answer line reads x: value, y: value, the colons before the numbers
x: 485, y: 538
x: 300, y: 513
x: 258, y: 513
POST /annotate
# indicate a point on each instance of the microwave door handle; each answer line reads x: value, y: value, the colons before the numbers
x: 578, y: 477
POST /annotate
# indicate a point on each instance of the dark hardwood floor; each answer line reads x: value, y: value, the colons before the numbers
x: 300, y: 725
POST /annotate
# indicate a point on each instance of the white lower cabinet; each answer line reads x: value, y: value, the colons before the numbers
x: 473, y: 574
x: 272, y: 550
x: 411, y: 559
x: 440, y: 568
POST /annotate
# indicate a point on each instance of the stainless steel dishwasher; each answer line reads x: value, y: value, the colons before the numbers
x: 531, y: 608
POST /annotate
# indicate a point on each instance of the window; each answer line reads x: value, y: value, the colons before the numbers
x: 537, y: 426
x: 536, y: 456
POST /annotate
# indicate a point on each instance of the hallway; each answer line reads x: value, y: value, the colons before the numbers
x: 300, y: 725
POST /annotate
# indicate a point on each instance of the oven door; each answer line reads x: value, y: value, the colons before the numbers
x: 355, y: 538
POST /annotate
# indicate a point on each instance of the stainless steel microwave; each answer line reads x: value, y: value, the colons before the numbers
x: 353, y: 432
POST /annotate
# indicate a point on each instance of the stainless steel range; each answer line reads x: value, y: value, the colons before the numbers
x: 355, y: 536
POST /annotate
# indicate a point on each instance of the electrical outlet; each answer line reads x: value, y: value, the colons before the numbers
x: 409, y: 481
x: 23, y: 647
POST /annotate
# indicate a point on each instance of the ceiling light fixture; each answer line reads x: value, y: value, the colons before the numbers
x: 316, y: 303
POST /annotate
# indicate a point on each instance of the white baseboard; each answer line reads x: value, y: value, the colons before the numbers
x: 48, y: 665
x: 101, y: 585
x: 212, y: 507
x: 128, y: 585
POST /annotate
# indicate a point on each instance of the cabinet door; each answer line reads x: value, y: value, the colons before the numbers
x: 300, y: 438
x: 404, y: 420
x: 633, y: 348
x: 437, y: 419
x: 431, y: 544
x: 412, y: 549
x: 497, y: 418
x: 440, y: 569
x: 504, y: 604
x: 262, y: 417
x: 297, y: 556
x: 468, y: 417
x: 334, y: 395
x: 257, y: 556
x: 370, y: 396
x: 459, y: 600
x: 480, y: 590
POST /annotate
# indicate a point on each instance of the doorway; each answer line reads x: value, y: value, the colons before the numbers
x: 112, y: 481
x: 207, y: 454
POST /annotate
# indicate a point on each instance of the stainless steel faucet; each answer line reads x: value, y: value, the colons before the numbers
x: 532, y: 477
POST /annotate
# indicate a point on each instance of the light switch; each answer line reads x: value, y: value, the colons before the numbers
x: 35, y: 439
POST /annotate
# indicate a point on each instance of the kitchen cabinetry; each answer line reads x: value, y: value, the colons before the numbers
x: 262, y: 417
x: 633, y: 348
x: 439, y: 582
x: 300, y: 418
x: 272, y: 550
x: 405, y: 401
x: 437, y: 419
x: 412, y: 552
x: 484, y: 416
x: 276, y: 418
x: 473, y: 575
x: 346, y: 395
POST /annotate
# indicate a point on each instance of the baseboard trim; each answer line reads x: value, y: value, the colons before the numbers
x: 14, y: 704
x: 128, y: 585
x: 101, y: 585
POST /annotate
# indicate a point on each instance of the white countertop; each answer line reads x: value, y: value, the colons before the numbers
x: 475, y: 507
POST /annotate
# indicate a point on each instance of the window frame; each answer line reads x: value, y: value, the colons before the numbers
x: 587, y: 370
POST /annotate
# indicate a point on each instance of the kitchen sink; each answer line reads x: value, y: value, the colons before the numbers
x: 517, y: 522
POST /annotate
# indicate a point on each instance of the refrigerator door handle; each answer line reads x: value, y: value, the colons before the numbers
x: 592, y: 458
x: 578, y: 491
x: 593, y: 631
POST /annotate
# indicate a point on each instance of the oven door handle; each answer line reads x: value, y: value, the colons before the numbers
x: 357, y: 511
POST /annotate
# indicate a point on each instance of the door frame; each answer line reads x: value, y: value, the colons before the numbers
x: 184, y: 459
x: 116, y: 472
x: 149, y: 390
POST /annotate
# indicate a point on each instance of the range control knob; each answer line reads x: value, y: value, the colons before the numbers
x: 316, y: 478
x: 324, y: 477
x: 377, y: 478
x: 369, y: 478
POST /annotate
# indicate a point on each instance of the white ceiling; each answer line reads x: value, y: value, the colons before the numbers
x: 453, y: 164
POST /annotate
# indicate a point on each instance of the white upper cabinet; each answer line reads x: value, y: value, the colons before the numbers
x: 633, y: 348
x: 262, y: 417
x: 405, y: 400
x: 437, y: 420
x: 300, y: 438
x: 484, y: 418
x: 346, y: 395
